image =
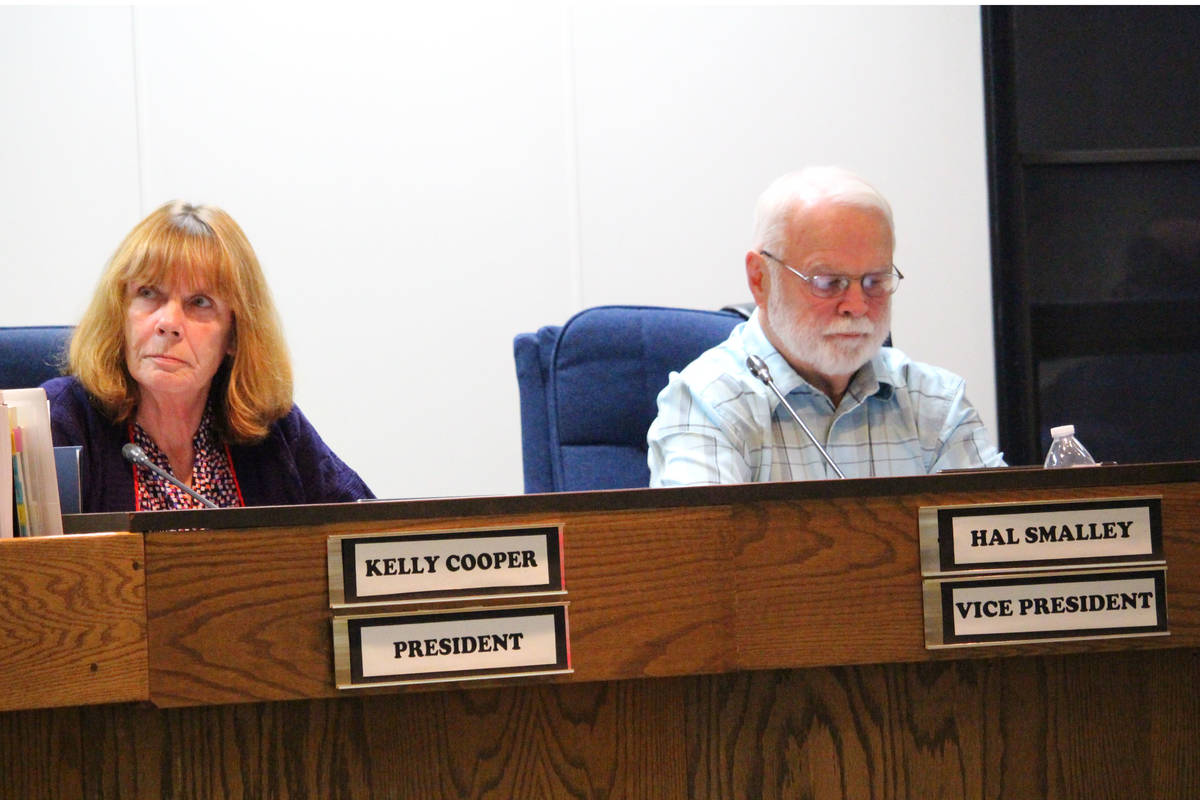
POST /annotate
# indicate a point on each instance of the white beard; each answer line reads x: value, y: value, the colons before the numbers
x: 829, y: 357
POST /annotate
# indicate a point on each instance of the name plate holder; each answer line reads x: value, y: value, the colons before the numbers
x: 1056, y: 570
x: 1046, y: 607
x: 1006, y: 537
x: 443, y: 644
x: 411, y: 567
x: 453, y: 645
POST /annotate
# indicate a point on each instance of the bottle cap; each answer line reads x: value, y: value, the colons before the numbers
x: 1062, y: 430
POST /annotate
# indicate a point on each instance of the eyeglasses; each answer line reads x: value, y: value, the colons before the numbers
x: 874, y: 284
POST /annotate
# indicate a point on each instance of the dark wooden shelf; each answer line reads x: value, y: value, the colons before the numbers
x: 1119, y: 156
x: 1065, y: 330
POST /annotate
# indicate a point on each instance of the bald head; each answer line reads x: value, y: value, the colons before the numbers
x: 792, y: 194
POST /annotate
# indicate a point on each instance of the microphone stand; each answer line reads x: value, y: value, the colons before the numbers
x: 138, y: 456
x: 758, y: 368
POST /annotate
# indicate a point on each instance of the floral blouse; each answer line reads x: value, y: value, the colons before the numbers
x: 212, y: 472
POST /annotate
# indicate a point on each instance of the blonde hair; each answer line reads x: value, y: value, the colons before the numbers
x: 198, y: 246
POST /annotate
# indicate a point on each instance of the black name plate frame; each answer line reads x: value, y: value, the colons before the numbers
x: 1041, y: 535
x: 458, y: 564
x: 1045, y: 607
x: 448, y: 646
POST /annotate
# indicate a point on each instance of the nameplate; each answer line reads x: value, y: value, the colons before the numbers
x: 381, y: 568
x: 1041, y: 535
x: 464, y: 644
x: 1100, y: 604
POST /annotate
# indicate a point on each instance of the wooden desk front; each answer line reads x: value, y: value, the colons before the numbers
x: 757, y: 641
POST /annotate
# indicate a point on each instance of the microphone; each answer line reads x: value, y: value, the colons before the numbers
x: 138, y: 456
x: 758, y: 368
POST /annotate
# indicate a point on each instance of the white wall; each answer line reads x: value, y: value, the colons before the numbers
x: 423, y: 185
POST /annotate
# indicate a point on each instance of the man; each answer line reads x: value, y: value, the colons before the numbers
x: 822, y: 278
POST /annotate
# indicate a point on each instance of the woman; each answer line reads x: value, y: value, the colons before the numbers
x: 181, y: 352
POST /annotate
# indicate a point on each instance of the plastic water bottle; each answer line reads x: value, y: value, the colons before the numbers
x: 1066, y: 450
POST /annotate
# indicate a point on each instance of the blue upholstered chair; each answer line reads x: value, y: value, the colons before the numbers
x: 30, y: 356
x: 588, y: 390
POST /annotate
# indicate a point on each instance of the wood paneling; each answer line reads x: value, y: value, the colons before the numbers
x: 243, y: 616
x: 1101, y: 725
x: 838, y: 581
x: 72, y: 620
x: 765, y: 647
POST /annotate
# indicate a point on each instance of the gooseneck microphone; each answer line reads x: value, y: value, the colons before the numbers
x: 138, y: 456
x: 758, y: 368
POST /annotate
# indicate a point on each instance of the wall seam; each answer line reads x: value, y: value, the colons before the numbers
x: 139, y: 117
x: 571, y: 143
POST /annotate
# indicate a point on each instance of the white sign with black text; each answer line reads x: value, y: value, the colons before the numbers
x: 425, y: 647
x: 1045, y: 607
x: 425, y: 565
x: 1041, y: 535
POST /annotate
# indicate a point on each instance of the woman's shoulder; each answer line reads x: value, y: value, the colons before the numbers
x: 74, y: 418
x: 289, y: 432
x: 290, y: 425
x: 66, y: 390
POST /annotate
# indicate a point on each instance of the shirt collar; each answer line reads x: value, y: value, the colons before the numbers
x: 872, y: 378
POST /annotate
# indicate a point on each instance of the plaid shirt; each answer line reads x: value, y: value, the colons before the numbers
x: 717, y: 423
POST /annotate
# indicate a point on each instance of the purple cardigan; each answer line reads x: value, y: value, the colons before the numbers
x: 292, y: 466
